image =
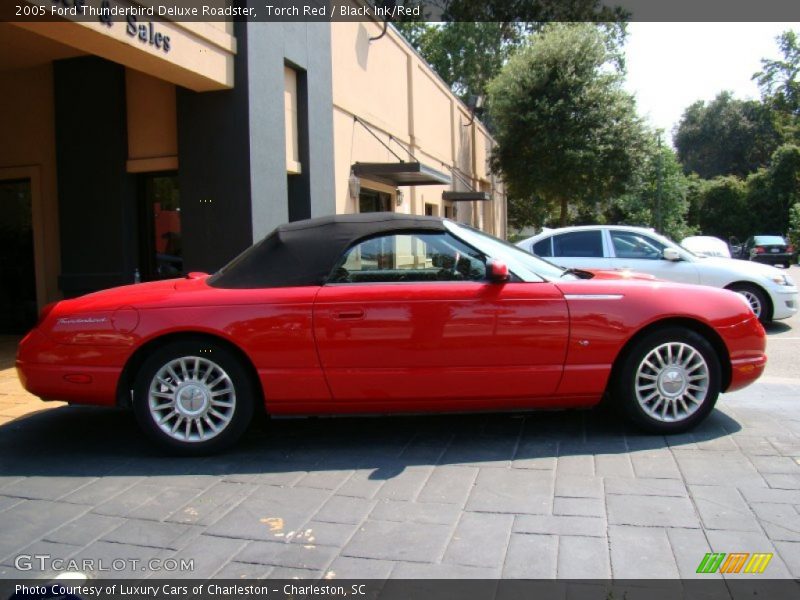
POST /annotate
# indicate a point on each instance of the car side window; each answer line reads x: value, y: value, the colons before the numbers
x: 543, y: 247
x: 629, y: 244
x: 409, y: 257
x: 579, y: 244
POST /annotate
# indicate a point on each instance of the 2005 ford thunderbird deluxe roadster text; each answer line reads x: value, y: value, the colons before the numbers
x: 389, y: 313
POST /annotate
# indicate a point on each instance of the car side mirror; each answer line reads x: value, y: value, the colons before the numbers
x: 497, y: 271
x: 671, y: 254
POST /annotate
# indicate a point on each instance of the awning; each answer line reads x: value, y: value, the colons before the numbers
x: 465, y: 196
x: 401, y: 173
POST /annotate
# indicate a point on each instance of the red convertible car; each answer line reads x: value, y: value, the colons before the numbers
x: 388, y: 313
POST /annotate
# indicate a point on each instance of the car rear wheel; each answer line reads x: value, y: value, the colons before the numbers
x: 757, y: 299
x: 669, y: 381
x: 193, y: 397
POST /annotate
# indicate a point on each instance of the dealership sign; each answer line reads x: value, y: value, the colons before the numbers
x: 145, y: 32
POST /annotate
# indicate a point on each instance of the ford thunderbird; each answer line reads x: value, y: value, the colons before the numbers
x: 387, y: 313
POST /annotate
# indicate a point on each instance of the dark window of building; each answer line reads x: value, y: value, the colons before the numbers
x: 374, y: 201
x: 298, y: 180
x: 543, y: 247
x: 18, y: 307
x: 160, y: 233
x: 579, y: 244
x: 431, y: 210
x: 449, y: 212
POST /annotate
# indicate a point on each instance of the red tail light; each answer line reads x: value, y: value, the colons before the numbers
x: 790, y: 249
x: 759, y: 250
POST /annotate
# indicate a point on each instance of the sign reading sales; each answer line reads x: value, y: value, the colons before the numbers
x: 145, y: 32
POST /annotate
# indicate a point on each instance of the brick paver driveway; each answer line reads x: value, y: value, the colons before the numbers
x: 573, y: 495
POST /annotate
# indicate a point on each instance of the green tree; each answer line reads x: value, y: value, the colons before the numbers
x: 466, y: 55
x: 773, y: 191
x: 794, y: 226
x: 469, y: 51
x: 778, y: 78
x: 567, y: 133
x: 722, y: 207
x: 726, y: 137
x: 658, y: 196
x: 523, y: 213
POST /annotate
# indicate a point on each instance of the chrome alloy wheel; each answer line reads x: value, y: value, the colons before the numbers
x: 753, y: 299
x: 672, y: 382
x: 191, y: 399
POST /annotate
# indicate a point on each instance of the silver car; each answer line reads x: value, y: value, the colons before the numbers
x: 772, y: 293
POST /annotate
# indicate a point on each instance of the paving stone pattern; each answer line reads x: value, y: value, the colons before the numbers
x: 570, y: 494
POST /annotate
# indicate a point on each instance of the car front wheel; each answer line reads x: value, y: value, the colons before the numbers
x: 669, y: 381
x: 757, y: 299
x: 193, y: 398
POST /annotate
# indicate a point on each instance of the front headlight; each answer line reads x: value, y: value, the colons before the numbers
x: 782, y: 279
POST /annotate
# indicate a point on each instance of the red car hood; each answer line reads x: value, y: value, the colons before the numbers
x: 619, y: 274
x: 152, y: 291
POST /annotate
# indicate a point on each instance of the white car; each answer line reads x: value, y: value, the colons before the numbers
x: 772, y: 294
x: 706, y: 245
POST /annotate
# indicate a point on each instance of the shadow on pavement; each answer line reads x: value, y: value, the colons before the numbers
x: 96, y: 442
x: 777, y: 327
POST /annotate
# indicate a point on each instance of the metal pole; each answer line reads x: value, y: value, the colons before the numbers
x: 658, y: 184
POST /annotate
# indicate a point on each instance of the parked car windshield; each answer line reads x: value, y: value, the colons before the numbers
x: 685, y: 253
x: 526, y: 266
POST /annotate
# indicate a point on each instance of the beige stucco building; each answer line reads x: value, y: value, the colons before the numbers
x: 143, y: 150
x: 385, y: 94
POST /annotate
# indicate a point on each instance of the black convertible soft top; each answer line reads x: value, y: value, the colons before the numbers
x: 305, y: 252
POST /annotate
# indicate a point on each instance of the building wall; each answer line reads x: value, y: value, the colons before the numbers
x: 304, y: 47
x: 215, y: 112
x: 28, y: 151
x: 388, y: 85
x: 152, y: 123
x: 96, y: 195
x: 232, y: 144
x: 199, y: 56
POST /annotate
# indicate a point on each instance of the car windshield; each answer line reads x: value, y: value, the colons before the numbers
x: 771, y: 240
x: 526, y: 266
x: 685, y: 253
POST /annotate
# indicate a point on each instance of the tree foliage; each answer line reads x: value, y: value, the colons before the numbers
x: 567, y: 133
x: 466, y: 55
x: 720, y: 206
x: 658, y: 194
x: 778, y: 77
x: 772, y: 191
x: 794, y: 225
x: 726, y: 137
x: 469, y: 51
x: 731, y: 206
x: 747, y: 153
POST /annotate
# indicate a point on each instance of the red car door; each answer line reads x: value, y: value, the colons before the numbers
x: 394, y: 338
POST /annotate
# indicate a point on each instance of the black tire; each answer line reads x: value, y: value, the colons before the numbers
x: 756, y: 296
x: 232, y: 398
x: 624, y: 384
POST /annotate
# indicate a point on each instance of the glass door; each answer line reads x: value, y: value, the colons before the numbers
x: 18, y: 308
x: 161, y: 252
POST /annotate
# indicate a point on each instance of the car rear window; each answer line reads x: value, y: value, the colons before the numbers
x: 769, y: 240
x: 543, y: 247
